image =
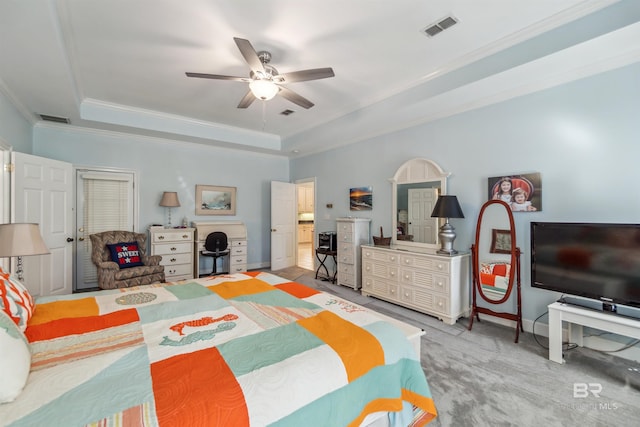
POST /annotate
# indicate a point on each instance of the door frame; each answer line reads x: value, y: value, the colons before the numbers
x: 298, y: 182
x: 136, y: 203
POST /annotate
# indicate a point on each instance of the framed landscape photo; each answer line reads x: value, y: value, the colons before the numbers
x: 215, y: 200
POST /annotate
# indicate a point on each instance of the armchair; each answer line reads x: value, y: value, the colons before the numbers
x: 110, y: 275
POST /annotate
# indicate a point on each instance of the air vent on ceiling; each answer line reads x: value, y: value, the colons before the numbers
x: 54, y: 119
x: 440, y: 26
x: 287, y: 112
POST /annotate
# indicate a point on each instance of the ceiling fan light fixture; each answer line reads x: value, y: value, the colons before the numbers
x: 263, y: 89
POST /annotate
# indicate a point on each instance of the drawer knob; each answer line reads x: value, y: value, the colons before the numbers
x: 160, y: 237
x: 440, y: 304
x: 440, y: 266
x: 367, y: 268
x: 173, y: 260
x: 393, y: 258
x: 406, y: 276
x: 392, y: 274
x: 174, y: 249
x: 406, y: 261
x: 185, y: 236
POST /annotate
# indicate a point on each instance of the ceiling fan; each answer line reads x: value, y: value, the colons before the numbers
x: 264, y: 80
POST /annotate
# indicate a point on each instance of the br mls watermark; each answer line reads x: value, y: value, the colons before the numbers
x: 590, y: 391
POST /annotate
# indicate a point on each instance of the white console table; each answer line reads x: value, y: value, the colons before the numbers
x: 559, y: 312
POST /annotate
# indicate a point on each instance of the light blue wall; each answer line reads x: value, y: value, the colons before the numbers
x: 175, y: 166
x: 15, y: 130
x: 583, y: 137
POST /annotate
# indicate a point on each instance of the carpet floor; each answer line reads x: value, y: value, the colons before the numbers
x: 482, y: 378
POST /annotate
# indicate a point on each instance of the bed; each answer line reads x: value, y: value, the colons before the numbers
x: 246, y: 349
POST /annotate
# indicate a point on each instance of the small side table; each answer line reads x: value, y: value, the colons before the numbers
x: 325, y: 254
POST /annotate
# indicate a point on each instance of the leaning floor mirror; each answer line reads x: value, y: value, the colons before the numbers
x: 496, y: 265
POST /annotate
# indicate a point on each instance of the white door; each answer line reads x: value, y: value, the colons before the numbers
x: 42, y: 192
x: 104, y: 201
x: 283, y: 225
x: 422, y: 227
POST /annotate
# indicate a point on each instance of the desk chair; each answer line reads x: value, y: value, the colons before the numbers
x: 216, y: 246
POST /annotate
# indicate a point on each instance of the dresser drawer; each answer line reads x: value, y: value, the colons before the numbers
x: 178, y: 270
x: 238, y: 243
x: 238, y: 250
x: 424, y: 279
x: 171, y: 248
x: 346, y: 248
x: 427, y: 263
x: 386, y: 257
x: 172, y: 236
x: 173, y: 259
x: 344, y: 228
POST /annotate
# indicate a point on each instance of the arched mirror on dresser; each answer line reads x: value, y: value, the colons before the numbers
x: 495, y: 261
x: 415, y: 190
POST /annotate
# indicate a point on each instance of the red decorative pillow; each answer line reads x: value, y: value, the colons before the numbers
x: 15, y: 300
x: 126, y: 254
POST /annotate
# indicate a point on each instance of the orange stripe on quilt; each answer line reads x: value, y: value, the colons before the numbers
x: 297, y: 290
x: 206, y: 393
x: 359, y: 350
x: 79, y: 325
x: 422, y: 402
x: 229, y: 290
x: 49, y: 311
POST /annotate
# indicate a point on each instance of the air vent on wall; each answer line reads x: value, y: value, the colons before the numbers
x: 54, y: 119
x: 440, y: 26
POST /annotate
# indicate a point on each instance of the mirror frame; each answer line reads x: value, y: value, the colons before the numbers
x: 515, y: 270
x: 513, y: 253
x: 414, y: 171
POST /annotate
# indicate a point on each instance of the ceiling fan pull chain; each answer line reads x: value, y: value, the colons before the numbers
x: 264, y: 114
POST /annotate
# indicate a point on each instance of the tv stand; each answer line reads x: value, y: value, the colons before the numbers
x: 559, y: 312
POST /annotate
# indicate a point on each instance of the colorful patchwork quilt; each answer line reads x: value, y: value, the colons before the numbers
x: 250, y: 349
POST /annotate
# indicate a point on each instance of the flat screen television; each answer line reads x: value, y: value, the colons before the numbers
x: 591, y: 260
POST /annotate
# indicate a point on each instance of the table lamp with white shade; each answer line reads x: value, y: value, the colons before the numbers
x: 21, y: 239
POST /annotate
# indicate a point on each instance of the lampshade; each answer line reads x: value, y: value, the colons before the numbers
x: 447, y: 207
x: 21, y: 239
x: 170, y: 199
x: 263, y: 89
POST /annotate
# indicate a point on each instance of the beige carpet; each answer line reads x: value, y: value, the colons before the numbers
x: 292, y: 273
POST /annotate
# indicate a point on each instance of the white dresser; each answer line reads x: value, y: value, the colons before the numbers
x: 351, y: 234
x: 424, y: 281
x: 176, y: 247
x: 236, y: 233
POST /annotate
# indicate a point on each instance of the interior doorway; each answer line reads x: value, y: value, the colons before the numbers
x: 306, y: 195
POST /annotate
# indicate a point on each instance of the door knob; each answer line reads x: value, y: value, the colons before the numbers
x: 69, y: 239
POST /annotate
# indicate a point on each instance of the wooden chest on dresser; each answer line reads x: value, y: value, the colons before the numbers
x: 176, y: 247
x: 351, y: 234
x: 427, y: 282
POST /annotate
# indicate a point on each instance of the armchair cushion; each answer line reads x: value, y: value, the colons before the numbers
x: 125, y: 254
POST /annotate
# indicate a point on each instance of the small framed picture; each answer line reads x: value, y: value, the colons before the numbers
x: 500, y: 241
x: 215, y: 200
x: 361, y: 199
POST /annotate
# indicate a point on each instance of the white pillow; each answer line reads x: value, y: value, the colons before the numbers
x: 15, y: 359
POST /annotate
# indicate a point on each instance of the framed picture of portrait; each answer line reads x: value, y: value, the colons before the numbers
x: 500, y: 241
x: 215, y: 200
x: 523, y: 192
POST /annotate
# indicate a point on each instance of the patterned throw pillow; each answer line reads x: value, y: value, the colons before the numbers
x: 15, y: 300
x: 15, y: 359
x: 126, y: 254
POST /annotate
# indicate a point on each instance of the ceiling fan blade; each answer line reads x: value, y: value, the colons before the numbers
x: 218, y: 77
x: 295, y: 98
x: 305, y: 75
x: 246, y: 100
x: 250, y: 55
